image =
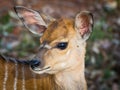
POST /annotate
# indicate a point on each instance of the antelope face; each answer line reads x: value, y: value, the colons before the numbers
x: 62, y: 41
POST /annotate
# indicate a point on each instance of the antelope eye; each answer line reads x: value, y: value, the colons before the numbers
x: 62, y: 45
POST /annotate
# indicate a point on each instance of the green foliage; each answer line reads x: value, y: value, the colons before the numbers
x: 107, y: 73
x: 6, y: 26
x: 27, y: 45
x: 5, y: 19
x: 98, y: 31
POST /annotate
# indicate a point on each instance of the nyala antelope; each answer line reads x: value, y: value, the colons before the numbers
x: 59, y: 64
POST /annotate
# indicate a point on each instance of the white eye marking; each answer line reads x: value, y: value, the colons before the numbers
x: 45, y: 46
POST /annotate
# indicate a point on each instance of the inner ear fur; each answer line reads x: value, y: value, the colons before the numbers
x: 84, y: 24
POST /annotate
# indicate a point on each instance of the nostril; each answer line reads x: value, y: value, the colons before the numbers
x: 35, y: 63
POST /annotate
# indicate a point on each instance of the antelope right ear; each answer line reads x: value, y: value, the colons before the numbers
x: 32, y: 20
x: 84, y: 24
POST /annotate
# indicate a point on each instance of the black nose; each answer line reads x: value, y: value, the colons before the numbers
x: 34, y: 63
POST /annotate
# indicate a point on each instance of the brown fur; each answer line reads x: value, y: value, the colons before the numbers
x: 60, y: 28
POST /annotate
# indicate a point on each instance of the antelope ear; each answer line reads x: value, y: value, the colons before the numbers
x: 84, y: 24
x: 32, y: 20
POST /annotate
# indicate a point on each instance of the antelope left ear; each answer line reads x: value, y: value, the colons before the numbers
x: 84, y: 24
x: 34, y: 21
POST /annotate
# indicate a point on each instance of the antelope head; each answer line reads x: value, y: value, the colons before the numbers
x: 63, y: 41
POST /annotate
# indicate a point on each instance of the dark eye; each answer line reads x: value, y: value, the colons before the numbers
x: 62, y: 45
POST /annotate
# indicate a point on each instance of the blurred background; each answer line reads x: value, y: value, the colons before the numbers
x: 103, y: 49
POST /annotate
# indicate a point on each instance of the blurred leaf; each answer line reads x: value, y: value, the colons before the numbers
x: 107, y: 73
x: 5, y: 19
x: 99, y: 32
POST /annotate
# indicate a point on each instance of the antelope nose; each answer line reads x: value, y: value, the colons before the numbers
x: 34, y: 63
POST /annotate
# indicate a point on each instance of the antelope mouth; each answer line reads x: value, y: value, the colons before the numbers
x: 40, y: 70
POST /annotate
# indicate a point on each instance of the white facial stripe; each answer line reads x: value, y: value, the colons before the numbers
x: 5, y: 77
